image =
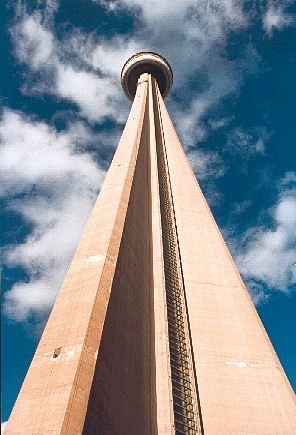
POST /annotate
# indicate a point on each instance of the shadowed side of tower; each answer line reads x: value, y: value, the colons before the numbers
x: 153, y: 330
x: 122, y: 397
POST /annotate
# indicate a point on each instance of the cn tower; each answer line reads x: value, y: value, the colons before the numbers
x: 153, y: 330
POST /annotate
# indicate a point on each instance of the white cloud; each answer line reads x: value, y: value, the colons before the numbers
x: 202, y: 15
x: 215, y: 124
x: 240, y: 207
x: 90, y: 93
x: 96, y: 96
x: 53, y: 187
x: 34, y: 43
x: 206, y: 164
x: 109, y: 56
x: 257, y: 292
x: 288, y: 182
x: 247, y: 143
x: 276, y: 18
x: 3, y: 425
x: 269, y: 254
x: 223, y: 78
x: 32, y: 152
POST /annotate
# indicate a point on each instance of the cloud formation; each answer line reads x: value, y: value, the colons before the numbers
x: 276, y: 18
x: 52, y: 186
x: 206, y: 164
x: 96, y: 95
x: 247, y: 143
x: 268, y: 255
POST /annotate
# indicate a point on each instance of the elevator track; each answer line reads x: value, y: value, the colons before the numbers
x: 185, y: 402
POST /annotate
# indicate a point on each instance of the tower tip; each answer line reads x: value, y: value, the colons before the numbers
x: 146, y: 62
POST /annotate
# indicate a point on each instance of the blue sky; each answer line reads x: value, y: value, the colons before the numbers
x: 233, y: 105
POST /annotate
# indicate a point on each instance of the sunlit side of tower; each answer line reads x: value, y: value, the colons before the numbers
x: 153, y: 331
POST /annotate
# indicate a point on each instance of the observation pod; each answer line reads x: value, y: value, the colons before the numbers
x: 150, y: 63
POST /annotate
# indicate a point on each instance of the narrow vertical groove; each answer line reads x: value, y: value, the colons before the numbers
x: 187, y: 416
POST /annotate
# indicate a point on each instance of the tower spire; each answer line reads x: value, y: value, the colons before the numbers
x: 153, y: 330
